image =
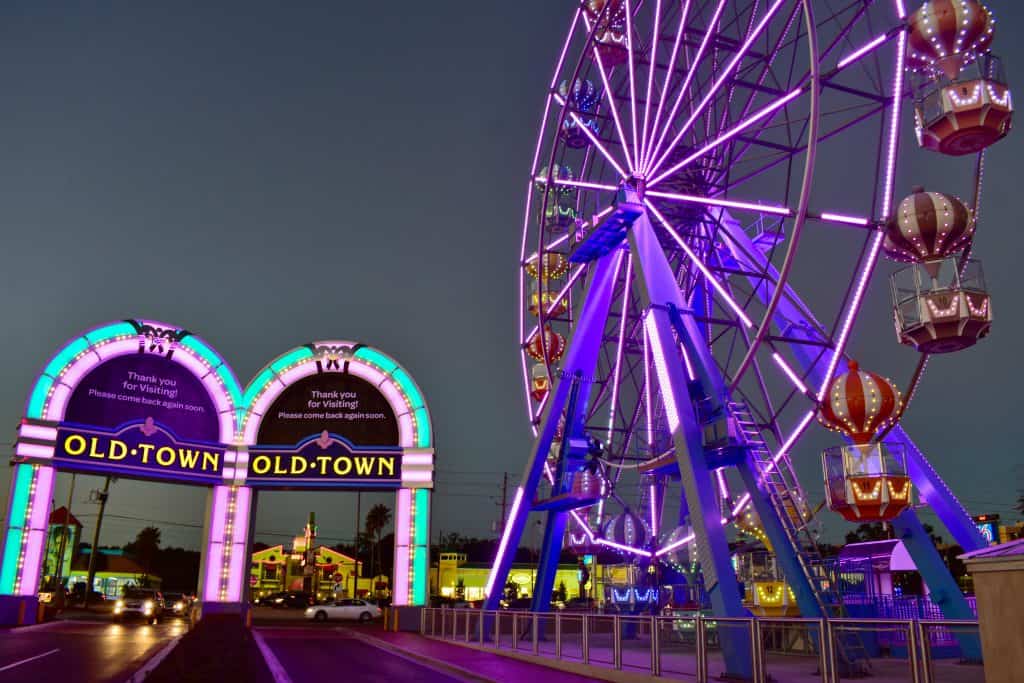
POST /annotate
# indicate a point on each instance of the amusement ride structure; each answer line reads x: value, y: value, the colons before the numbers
x: 680, y: 324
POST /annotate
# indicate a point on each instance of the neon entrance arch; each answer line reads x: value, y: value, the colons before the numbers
x: 342, y: 415
x: 147, y: 400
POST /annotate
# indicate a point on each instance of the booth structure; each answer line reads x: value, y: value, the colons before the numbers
x: 151, y: 401
x: 998, y: 573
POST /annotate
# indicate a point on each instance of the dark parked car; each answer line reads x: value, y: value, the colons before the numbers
x: 289, y: 599
x: 176, y: 604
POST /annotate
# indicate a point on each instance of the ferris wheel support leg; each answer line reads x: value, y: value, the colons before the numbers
x: 581, y: 357
x: 942, y: 587
x: 658, y: 290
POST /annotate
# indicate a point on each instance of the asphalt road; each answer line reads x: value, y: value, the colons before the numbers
x: 313, y: 655
x: 81, y: 651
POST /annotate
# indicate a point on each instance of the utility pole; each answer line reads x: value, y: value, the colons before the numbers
x: 504, y: 500
x: 355, y: 576
x: 91, y: 575
x: 59, y: 572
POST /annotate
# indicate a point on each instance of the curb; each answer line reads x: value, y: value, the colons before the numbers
x: 153, y: 662
x: 436, y: 664
x: 270, y: 659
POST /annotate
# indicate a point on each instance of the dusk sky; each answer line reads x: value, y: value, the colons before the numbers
x: 268, y: 174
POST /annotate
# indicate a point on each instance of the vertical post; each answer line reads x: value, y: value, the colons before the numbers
x: 913, y: 651
x: 497, y: 630
x: 833, y: 663
x: 925, y: 652
x: 91, y: 573
x: 617, y: 643
x: 756, y: 652
x: 65, y: 532
x: 536, y: 633
x: 585, y: 638
x: 822, y: 651
x: 558, y: 636
x: 702, y: 650
x: 655, y: 647
x: 515, y: 630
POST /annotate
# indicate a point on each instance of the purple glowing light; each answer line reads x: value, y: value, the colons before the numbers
x: 722, y: 488
x: 718, y: 286
x: 632, y: 76
x: 861, y: 51
x: 615, y: 112
x: 654, y: 509
x: 713, y: 90
x: 668, y: 79
x: 661, y: 368
x: 622, y: 339
x: 503, y: 545
x: 725, y: 203
x: 842, y: 218
x: 684, y: 89
x: 650, y: 79
x: 728, y: 135
x: 403, y: 519
x: 793, y: 377
x: 624, y: 548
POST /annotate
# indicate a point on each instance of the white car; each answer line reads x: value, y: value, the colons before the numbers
x: 344, y: 609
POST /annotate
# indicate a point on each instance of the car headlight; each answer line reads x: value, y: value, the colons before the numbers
x: 119, y: 604
x: 179, y: 606
x: 309, y: 610
x: 278, y: 600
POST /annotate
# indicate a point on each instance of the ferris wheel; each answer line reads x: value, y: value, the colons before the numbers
x: 691, y: 270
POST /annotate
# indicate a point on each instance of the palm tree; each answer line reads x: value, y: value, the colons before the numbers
x: 377, y: 520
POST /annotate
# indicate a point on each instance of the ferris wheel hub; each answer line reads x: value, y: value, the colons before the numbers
x: 610, y: 231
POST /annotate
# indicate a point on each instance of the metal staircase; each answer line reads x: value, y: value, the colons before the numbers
x: 791, y: 508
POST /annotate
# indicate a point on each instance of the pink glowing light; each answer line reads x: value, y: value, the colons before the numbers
x: 32, y: 450
x: 654, y: 509
x: 793, y: 377
x: 33, y: 431
x: 668, y: 79
x: 713, y: 90
x: 718, y: 286
x: 722, y: 488
x: 868, y: 266
x: 503, y: 545
x: 728, y: 135
x: 624, y: 548
x: 861, y: 51
x: 684, y: 91
x: 650, y: 78
x: 565, y: 182
x: 649, y: 409
x: 403, y: 519
x: 593, y: 138
x: 632, y: 75
x: 726, y: 203
x: 661, y: 368
x: 622, y: 341
x: 841, y: 218
x: 615, y: 112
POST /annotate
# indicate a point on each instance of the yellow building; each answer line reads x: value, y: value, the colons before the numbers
x: 452, y: 576
x: 332, y: 574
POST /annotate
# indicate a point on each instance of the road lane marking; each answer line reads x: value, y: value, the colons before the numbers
x: 30, y: 659
x: 276, y: 670
x: 154, y: 661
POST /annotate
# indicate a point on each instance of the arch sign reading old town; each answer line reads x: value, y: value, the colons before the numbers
x: 150, y: 401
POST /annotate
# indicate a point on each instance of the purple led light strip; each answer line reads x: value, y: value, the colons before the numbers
x: 684, y: 90
x: 740, y: 53
x: 632, y: 79
x: 611, y: 104
x: 867, y: 268
x: 668, y: 77
x: 503, y: 545
x: 652, y: 62
x: 861, y: 51
x: 793, y: 377
x: 728, y: 135
x: 622, y: 339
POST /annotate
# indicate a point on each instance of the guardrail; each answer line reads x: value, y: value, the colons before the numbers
x: 689, y: 647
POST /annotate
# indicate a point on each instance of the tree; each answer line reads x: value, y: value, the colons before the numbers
x: 1020, y: 503
x: 377, y: 520
x: 875, y: 531
x: 146, y: 547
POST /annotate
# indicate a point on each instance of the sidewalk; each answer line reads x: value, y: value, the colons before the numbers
x: 479, y: 664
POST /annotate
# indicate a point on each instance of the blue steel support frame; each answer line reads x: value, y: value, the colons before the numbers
x: 581, y: 356
x: 659, y: 290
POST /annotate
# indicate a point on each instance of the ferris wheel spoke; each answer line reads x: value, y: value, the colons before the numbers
x: 709, y: 95
x: 602, y: 71
x: 728, y: 135
x: 684, y: 89
x: 593, y: 138
x: 683, y: 16
x: 631, y: 59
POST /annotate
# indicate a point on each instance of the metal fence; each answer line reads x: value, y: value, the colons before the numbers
x: 701, y: 648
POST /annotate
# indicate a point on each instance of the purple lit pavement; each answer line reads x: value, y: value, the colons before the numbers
x: 371, y: 654
x: 86, y: 651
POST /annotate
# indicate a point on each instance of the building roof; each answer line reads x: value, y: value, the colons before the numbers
x: 1008, y: 549
x: 62, y: 516
x: 114, y: 564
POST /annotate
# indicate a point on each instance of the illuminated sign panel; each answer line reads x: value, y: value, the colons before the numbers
x: 330, y: 429
x: 144, y: 416
x: 141, y: 450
